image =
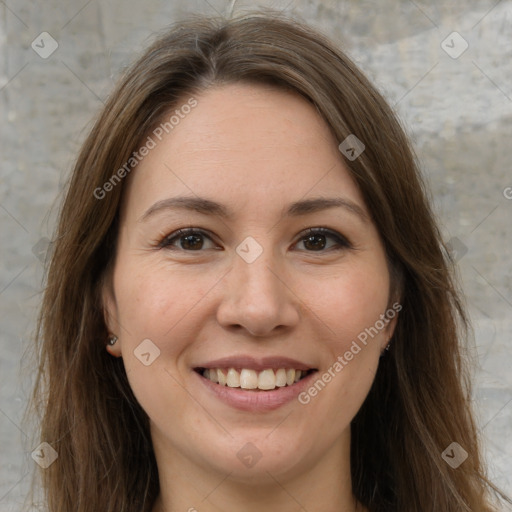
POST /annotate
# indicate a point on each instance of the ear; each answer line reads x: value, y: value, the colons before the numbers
x: 391, y: 319
x: 109, y: 306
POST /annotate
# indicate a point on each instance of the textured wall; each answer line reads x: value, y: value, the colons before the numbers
x: 456, y: 103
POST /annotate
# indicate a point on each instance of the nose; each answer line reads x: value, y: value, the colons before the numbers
x: 257, y: 298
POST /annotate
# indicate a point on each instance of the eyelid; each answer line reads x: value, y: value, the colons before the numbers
x: 341, y: 239
x: 165, y: 242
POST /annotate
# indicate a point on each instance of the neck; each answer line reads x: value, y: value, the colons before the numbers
x: 186, y: 486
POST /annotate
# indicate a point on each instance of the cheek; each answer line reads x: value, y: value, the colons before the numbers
x: 157, y: 301
x: 160, y: 305
x: 351, y: 305
x: 164, y: 306
x: 351, y: 302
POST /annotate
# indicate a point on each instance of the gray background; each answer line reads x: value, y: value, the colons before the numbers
x: 458, y: 112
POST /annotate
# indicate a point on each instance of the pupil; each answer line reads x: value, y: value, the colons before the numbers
x: 315, y: 242
x: 191, y: 242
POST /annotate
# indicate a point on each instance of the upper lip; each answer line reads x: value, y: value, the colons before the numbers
x: 257, y: 364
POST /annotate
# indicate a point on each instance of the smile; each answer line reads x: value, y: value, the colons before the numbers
x: 254, y: 384
x: 249, y: 379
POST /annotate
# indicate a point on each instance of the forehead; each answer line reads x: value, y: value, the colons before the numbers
x: 243, y: 145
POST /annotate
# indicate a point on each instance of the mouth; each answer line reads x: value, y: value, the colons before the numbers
x: 250, y: 379
x: 252, y: 384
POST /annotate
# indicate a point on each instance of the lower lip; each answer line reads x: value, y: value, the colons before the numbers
x: 256, y: 401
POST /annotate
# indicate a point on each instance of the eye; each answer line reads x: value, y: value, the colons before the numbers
x: 322, y: 240
x: 189, y: 239
x: 312, y: 240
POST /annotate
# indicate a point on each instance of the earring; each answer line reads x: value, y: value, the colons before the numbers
x: 112, y: 340
x: 386, y: 348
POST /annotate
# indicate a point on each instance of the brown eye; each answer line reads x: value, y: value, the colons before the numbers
x: 322, y: 240
x: 315, y: 242
x: 191, y: 242
x: 187, y: 240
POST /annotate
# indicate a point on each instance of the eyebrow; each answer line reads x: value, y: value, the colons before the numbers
x: 209, y: 207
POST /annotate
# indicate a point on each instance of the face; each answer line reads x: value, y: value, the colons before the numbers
x: 246, y: 250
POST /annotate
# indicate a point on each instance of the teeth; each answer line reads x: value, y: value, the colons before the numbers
x: 233, y: 378
x: 221, y: 377
x: 250, y: 379
x: 281, y: 378
x: 267, y: 379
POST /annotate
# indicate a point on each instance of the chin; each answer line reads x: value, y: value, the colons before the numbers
x: 256, y: 459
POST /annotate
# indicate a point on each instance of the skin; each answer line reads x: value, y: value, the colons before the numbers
x: 255, y: 150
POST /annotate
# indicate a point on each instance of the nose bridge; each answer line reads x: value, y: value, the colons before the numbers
x: 257, y: 275
x: 256, y: 297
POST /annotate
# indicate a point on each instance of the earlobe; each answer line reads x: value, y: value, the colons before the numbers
x: 386, y: 347
x: 389, y: 330
x: 113, y: 346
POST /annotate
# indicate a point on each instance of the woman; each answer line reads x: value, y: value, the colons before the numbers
x: 249, y: 306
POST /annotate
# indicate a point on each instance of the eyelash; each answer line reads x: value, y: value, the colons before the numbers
x: 340, y: 240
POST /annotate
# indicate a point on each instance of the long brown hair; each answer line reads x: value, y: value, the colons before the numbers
x: 419, y: 403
